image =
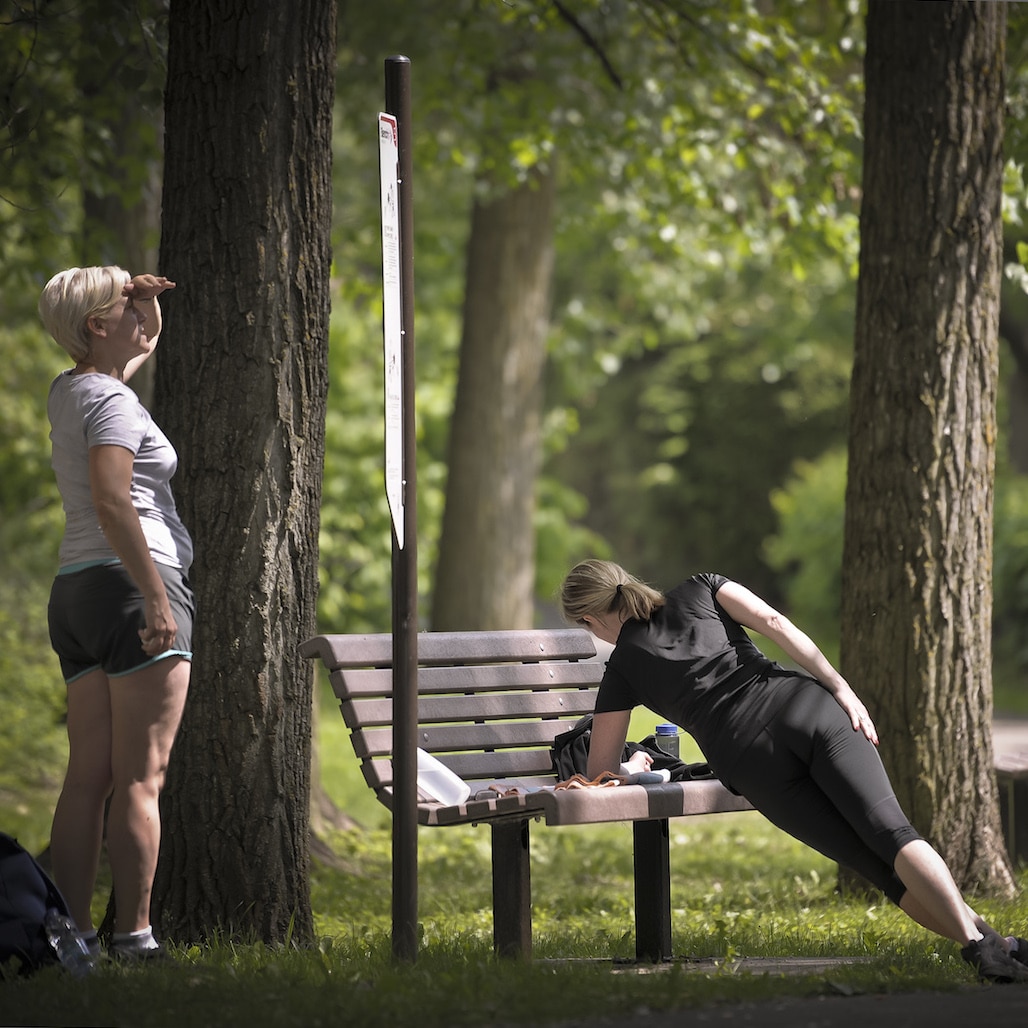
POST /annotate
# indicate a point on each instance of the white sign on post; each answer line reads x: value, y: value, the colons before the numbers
x: 392, y: 318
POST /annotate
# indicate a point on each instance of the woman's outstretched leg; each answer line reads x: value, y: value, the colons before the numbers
x: 932, y: 898
x: 934, y: 901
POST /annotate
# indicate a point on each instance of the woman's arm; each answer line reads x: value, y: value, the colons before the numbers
x: 143, y: 290
x: 110, y: 479
x: 607, y: 741
x: 752, y: 612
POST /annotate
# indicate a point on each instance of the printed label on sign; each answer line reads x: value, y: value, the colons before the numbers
x: 392, y: 318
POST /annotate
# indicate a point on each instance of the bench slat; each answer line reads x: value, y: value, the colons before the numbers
x: 494, y: 808
x: 636, y: 802
x: 437, y: 648
x: 591, y: 806
x: 379, y: 681
x: 438, y: 739
x: 364, y: 713
x: 472, y: 767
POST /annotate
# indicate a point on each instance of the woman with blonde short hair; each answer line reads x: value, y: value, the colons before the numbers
x: 121, y: 608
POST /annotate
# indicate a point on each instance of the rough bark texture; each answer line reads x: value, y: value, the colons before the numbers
x: 486, y: 569
x: 917, y: 575
x: 241, y: 390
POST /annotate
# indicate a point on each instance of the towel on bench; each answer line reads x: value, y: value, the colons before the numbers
x: 570, y: 756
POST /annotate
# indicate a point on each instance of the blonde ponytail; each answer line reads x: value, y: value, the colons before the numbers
x: 597, y: 587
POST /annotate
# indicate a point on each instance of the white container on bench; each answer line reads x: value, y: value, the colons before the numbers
x: 436, y: 781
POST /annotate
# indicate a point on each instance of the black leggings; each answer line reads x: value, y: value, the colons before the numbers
x: 814, y: 777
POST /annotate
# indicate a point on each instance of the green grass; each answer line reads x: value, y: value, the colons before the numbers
x: 740, y: 888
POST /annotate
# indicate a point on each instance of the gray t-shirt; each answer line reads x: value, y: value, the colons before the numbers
x: 97, y: 410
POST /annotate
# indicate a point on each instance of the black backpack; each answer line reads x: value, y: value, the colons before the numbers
x: 26, y: 894
x: 570, y: 754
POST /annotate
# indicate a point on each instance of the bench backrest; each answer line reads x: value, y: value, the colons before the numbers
x: 489, y: 703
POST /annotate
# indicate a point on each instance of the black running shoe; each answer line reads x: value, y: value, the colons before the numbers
x: 992, y: 962
x: 1021, y: 953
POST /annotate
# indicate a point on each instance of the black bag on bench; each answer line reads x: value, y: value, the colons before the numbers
x: 570, y: 755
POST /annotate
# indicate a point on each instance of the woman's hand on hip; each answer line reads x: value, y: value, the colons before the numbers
x: 857, y: 713
x: 161, y: 629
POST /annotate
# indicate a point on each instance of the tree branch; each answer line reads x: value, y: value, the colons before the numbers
x: 590, y: 41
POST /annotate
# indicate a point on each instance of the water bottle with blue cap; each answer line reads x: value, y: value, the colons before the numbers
x: 667, y: 739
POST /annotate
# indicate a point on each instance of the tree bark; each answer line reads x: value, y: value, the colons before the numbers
x: 241, y: 390
x: 917, y: 563
x: 486, y: 569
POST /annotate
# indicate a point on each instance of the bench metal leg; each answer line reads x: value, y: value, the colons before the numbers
x: 652, y: 890
x: 512, y: 890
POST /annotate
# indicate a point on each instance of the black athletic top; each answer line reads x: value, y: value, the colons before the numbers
x: 694, y: 665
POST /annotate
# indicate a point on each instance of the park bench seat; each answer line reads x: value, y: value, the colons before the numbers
x: 1012, y: 783
x: 489, y: 707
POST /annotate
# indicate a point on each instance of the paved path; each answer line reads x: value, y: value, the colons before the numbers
x: 1010, y: 736
x: 985, y: 1006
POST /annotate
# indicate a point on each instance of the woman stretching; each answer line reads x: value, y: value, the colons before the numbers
x: 801, y: 747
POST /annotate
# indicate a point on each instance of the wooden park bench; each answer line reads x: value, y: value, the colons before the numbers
x: 489, y: 707
x: 1012, y: 783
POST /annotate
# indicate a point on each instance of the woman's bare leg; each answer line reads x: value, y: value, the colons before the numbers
x: 77, y: 833
x: 146, y: 710
x: 932, y: 898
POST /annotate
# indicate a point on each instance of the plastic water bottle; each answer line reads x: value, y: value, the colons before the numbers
x: 667, y: 739
x: 69, y: 946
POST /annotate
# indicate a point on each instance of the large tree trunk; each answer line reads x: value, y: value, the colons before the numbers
x: 486, y: 569
x: 241, y: 391
x: 917, y: 565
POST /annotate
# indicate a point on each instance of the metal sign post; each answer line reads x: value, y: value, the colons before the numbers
x: 401, y: 488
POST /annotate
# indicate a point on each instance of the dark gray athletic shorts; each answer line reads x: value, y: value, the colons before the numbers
x: 95, y: 615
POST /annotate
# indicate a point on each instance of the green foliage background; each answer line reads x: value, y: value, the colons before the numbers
x: 703, y: 297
